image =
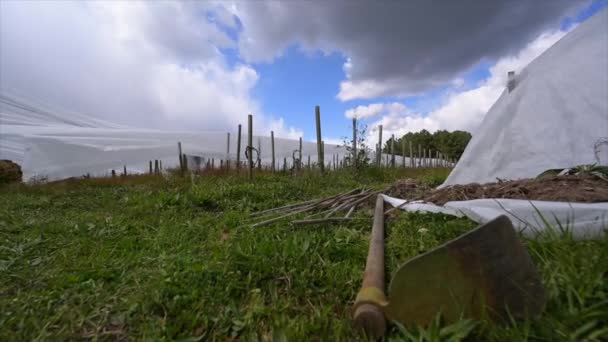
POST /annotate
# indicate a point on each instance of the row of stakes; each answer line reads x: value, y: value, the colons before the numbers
x: 424, y: 158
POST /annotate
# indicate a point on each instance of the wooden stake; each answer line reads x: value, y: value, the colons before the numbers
x: 181, y: 162
x: 150, y: 167
x: 272, y: 150
x: 403, y: 152
x: 379, y: 149
x: 355, y: 143
x: 392, y: 150
x: 228, y: 151
x: 124, y: 172
x: 238, y: 149
x: 113, y: 173
x: 156, y: 167
x: 411, y: 155
x: 319, y: 147
x: 250, y: 145
x: 259, y: 154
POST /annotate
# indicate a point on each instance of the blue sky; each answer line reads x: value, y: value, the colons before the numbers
x: 203, y: 66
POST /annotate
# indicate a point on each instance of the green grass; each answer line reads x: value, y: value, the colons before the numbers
x: 168, y: 258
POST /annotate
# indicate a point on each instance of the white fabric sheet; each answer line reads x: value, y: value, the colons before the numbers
x: 583, y: 220
x: 554, y: 116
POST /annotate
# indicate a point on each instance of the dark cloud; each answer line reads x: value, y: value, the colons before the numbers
x: 398, y: 47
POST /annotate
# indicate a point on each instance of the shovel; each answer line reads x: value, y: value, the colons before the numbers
x: 486, y: 272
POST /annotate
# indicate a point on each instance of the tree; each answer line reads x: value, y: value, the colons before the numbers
x: 450, y: 144
x: 362, y: 148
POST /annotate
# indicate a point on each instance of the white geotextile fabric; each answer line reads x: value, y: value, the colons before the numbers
x: 62, y: 152
x: 553, y: 117
x: 52, y: 144
x: 583, y: 220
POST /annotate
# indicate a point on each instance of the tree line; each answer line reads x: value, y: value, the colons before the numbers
x: 450, y: 144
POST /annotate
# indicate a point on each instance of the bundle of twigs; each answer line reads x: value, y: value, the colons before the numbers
x: 324, y: 210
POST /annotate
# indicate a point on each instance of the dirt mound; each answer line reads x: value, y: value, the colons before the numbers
x: 9, y: 172
x: 585, y: 189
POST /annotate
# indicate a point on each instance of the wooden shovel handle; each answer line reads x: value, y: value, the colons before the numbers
x: 369, y: 316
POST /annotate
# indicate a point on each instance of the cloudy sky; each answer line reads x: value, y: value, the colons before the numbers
x: 205, y: 65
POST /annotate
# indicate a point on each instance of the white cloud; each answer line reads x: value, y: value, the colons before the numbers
x: 396, y: 48
x: 465, y: 110
x: 144, y: 64
x: 462, y: 110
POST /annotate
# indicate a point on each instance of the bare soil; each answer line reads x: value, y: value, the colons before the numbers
x: 585, y: 189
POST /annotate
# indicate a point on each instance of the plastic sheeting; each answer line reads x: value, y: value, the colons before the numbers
x: 554, y: 116
x: 51, y: 144
x: 583, y: 220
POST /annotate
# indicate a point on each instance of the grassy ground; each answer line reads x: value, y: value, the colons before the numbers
x: 155, y: 258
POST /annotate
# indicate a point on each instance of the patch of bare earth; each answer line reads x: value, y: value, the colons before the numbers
x: 584, y: 189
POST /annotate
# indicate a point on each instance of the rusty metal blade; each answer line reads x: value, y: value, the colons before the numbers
x: 486, y: 271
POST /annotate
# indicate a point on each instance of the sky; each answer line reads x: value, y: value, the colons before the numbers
x: 204, y: 66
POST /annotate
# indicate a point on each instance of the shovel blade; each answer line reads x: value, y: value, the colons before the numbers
x: 486, y: 272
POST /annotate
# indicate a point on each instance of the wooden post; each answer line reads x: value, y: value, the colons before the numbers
x: 392, y: 150
x: 259, y: 154
x: 150, y: 167
x: 355, y: 143
x: 403, y: 152
x: 419, y: 156
x: 238, y: 149
x: 250, y: 145
x: 156, y: 167
x: 300, y: 154
x: 379, y: 149
x: 284, y: 164
x: 323, y: 155
x: 272, y: 150
x: 181, y: 162
x: 160, y: 164
x: 228, y: 151
x: 319, y: 147
x: 113, y: 173
x: 185, y: 163
x: 308, y: 164
x: 411, y: 155
x: 124, y: 172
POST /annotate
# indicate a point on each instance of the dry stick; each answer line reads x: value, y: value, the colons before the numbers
x: 323, y: 220
x: 395, y: 208
x: 350, y: 211
x: 314, y: 203
x: 357, y: 201
x: 369, y: 316
x: 258, y: 213
x: 305, y: 209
